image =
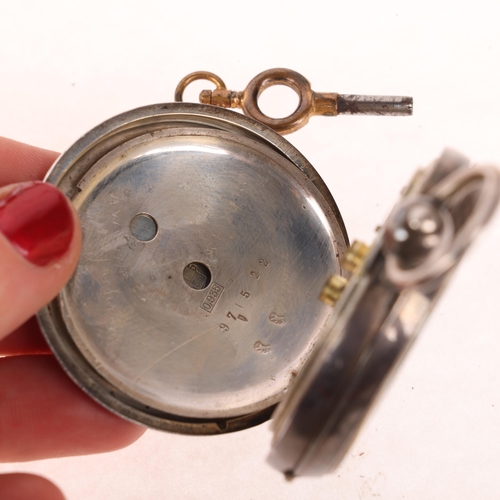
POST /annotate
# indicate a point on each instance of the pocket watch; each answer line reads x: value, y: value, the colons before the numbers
x: 199, y: 303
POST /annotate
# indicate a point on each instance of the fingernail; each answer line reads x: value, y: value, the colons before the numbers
x: 37, y: 220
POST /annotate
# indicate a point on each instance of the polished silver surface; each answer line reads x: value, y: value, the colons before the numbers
x: 381, y: 312
x: 206, y: 241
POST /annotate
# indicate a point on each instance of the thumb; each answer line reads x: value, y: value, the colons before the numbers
x: 39, y: 247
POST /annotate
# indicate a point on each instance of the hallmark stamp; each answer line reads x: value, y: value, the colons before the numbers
x: 212, y: 297
x: 261, y: 347
x: 276, y: 319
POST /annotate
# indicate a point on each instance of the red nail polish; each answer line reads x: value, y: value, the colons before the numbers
x: 37, y: 220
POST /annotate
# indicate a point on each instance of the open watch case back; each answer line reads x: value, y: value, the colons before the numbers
x: 207, y: 240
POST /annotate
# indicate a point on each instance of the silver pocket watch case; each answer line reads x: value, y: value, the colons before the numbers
x: 207, y: 239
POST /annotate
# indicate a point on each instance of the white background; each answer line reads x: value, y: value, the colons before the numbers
x: 66, y: 66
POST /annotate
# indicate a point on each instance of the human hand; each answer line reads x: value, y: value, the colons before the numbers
x: 42, y: 413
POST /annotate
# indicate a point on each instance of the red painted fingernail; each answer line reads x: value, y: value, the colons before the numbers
x: 37, y: 220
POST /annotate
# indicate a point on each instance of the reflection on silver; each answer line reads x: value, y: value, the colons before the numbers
x: 200, y: 328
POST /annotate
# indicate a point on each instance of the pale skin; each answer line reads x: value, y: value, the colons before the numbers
x: 43, y: 414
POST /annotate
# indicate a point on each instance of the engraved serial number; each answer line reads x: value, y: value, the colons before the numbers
x: 232, y: 316
x: 246, y: 294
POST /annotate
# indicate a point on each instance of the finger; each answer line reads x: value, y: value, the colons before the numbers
x: 43, y: 414
x: 26, y: 340
x: 28, y: 486
x: 39, y: 246
x: 20, y: 162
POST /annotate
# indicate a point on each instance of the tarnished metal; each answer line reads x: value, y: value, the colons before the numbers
x: 310, y: 103
x: 206, y: 242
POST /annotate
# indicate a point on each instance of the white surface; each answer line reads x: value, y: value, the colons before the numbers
x: 66, y: 66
